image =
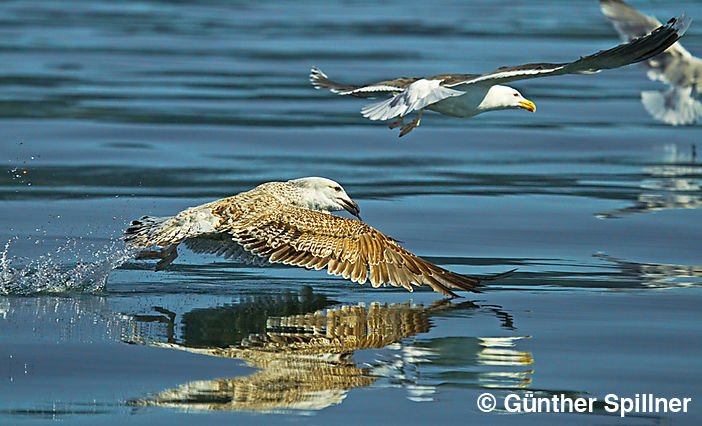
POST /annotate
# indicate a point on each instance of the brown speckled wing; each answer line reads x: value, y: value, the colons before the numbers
x: 345, y: 247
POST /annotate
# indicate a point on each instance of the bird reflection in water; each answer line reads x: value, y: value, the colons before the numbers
x: 657, y: 275
x: 305, y: 358
x: 674, y: 183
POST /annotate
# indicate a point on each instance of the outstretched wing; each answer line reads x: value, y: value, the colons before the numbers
x: 675, y: 105
x: 629, y: 22
x: 345, y: 247
x: 390, y: 87
x: 675, y: 65
x: 636, y: 50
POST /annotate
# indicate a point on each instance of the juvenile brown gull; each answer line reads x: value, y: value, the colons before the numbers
x: 466, y: 95
x: 676, y: 67
x: 289, y: 222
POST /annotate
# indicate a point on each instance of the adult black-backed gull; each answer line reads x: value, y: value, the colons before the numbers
x: 466, y: 95
x: 289, y: 222
x: 676, y: 67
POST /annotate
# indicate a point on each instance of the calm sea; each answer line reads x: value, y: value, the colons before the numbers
x: 113, y: 110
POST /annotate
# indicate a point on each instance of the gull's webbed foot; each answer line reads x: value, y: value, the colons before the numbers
x: 411, y: 125
x: 396, y: 123
x: 166, y: 256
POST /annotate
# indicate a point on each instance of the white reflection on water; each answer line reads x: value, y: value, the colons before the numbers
x: 675, y: 183
x: 656, y: 275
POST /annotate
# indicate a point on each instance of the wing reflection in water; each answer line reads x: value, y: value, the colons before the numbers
x: 675, y: 183
x: 658, y: 275
x: 306, y: 358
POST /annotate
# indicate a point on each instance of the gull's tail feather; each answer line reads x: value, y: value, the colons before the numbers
x: 384, y: 110
x: 149, y: 231
x: 675, y: 106
x: 416, y: 96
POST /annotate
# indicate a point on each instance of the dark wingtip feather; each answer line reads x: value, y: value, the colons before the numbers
x: 495, y: 276
x: 473, y: 283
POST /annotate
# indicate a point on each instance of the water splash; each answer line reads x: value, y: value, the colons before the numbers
x: 64, y: 270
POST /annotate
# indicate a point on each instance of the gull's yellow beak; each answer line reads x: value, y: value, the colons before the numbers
x: 527, y: 105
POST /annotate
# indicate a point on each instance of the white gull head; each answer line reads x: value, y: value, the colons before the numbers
x: 505, y: 97
x: 321, y: 194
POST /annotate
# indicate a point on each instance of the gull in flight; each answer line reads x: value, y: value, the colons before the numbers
x: 466, y: 95
x: 676, y: 67
x: 289, y: 222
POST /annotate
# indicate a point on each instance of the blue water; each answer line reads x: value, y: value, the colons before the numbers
x: 112, y: 111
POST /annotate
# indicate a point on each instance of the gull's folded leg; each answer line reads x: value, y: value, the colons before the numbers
x: 411, y: 125
x: 166, y: 256
x: 170, y: 254
x: 149, y: 255
x: 396, y: 123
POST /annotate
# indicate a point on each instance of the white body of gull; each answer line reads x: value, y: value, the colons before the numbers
x: 676, y: 67
x: 466, y: 95
x: 289, y: 222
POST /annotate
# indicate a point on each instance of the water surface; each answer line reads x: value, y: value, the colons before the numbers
x: 112, y: 111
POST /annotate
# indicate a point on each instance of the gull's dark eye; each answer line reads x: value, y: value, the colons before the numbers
x: 516, y: 95
x: 337, y: 188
